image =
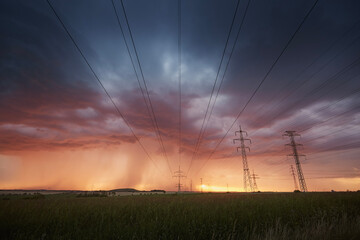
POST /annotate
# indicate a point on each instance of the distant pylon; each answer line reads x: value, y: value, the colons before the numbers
x: 179, y: 174
x: 292, y: 171
x: 248, y: 185
x: 254, y: 177
x: 201, y: 185
x: 296, y: 155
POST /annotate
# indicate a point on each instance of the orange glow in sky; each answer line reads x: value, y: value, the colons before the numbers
x: 104, y: 169
x: 89, y: 112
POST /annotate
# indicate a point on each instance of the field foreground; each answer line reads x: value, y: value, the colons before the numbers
x: 182, y: 216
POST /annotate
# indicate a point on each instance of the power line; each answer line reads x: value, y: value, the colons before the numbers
x: 99, y: 81
x: 319, y: 123
x: 334, y: 77
x: 248, y: 181
x: 179, y: 69
x: 179, y: 174
x: 213, y: 89
x: 264, y: 78
x: 254, y: 177
x: 317, y: 89
x: 311, y: 76
x: 296, y: 155
x: 333, y: 148
x: 329, y: 105
x: 338, y: 147
x: 228, y: 62
x: 321, y: 86
x: 292, y: 171
x: 334, y: 176
x: 334, y: 116
x: 335, y: 152
x: 332, y: 133
x: 332, y: 103
x: 138, y: 80
x: 311, y: 64
x: 226, y: 68
x: 143, y: 78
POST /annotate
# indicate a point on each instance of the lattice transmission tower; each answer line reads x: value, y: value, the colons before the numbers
x: 179, y: 174
x: 254, y: 177
x: 296, y: 155
x: 248, y: 184
x: 292, y: 171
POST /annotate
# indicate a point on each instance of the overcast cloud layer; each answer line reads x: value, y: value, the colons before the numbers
x: 55, y: 119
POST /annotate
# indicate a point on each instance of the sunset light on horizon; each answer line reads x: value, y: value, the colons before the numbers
x: 96, y: 98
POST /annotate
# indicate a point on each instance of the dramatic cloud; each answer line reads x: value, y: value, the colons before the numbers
x: 57, y: 123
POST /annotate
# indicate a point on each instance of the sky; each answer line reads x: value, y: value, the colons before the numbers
x: 60, y: 130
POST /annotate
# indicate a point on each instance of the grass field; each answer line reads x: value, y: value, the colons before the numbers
x: 183, y: 216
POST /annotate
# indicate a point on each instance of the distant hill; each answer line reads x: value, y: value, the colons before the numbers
x: 135, y: 190
x: 125, y: 190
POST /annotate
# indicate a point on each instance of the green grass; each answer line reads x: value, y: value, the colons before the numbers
x: 190, y: 216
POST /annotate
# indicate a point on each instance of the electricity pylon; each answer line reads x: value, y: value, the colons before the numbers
x: 296, y: 155
x: 247, y: 178
x: 292, y: 171
x: 179, y: 174
x: 254, y: 177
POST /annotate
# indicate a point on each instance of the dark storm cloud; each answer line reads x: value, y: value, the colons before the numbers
x: 11, y: 142
x: 45, y: 83
x: 39, y: 70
